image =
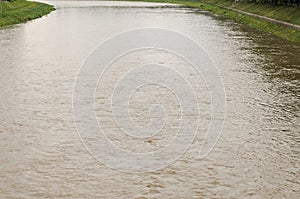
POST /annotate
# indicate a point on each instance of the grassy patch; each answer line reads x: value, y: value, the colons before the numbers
x: 19, y: 11
x: 282, y: 13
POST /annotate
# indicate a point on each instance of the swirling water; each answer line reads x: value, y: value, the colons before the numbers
x: 257, y: 155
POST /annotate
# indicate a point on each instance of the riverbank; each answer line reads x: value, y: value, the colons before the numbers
x: 287, y: 14
x: 226, y: 9
x: 19, y: 11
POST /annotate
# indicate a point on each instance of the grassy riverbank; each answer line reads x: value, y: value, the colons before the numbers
x: 19, y: 11
x: 287, y: 14
x: 282, y: 13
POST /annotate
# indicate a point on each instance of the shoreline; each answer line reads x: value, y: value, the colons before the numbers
x: 21, y: 11
x: 279, y: 28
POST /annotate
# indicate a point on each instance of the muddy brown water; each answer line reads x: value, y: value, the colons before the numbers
x: 257, y: 155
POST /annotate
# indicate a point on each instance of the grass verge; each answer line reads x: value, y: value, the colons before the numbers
x: 282, y: 13
x: 19, y: 11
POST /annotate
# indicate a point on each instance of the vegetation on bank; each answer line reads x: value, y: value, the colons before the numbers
x: 282, y: 13
x: 272, y: 8
x: 276, y: 2
x: 19, y: 11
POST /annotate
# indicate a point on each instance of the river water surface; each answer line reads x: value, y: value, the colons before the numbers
x: 257, y: 155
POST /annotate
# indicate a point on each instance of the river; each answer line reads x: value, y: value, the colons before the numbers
x: 257, y: 155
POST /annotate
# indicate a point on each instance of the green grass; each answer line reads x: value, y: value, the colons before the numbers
x: 19, y: 11
x: 282, y: 13
x: 288, y: 14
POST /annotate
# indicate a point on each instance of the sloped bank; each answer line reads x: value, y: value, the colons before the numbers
x: 19, y: 11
